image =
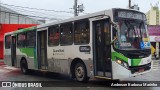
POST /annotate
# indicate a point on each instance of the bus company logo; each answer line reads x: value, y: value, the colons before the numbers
x: 6, y: 84
x: 60, y: 50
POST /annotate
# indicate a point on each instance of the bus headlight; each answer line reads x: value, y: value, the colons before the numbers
x: 122, y: 63
x: 119, y: 61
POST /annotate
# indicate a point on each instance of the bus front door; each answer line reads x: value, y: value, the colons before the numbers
x: 42, y: 50
x: 13, y: 51
x: 102, y: 48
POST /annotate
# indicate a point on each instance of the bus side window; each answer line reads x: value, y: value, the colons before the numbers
x: 21, y: 40
x: 66, y: 37
x: 53, y: 36
x: 82, y: 33
x: 8, y: 41
x: 31, y: 39
x: 107, y: 33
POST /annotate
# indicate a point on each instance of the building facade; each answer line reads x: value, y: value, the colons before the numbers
x: 153, y: 20
x: 153, y: 16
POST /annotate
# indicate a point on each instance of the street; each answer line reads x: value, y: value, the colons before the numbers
x: 14, y: 74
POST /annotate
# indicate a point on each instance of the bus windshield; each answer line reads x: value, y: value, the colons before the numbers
x: 132, y: 34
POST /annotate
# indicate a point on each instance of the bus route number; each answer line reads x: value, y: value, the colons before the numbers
x: 84, y: 49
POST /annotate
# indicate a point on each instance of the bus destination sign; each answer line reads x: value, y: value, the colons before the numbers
x: 130, y: 14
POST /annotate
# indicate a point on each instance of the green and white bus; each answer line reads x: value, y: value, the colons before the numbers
x: 111, y: 44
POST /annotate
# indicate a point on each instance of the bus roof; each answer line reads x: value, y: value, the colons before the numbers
x: 9, y: 33
x: 104, y: 12
x: 25, y: 29
x: 73, y: 19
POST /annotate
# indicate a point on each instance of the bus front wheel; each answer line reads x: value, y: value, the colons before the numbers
x: 24, y: 67
x: 81, y: 72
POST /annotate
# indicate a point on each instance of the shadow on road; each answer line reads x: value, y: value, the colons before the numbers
x: 60, y: 80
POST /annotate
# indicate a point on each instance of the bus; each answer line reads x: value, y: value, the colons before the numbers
x: 110, y: 44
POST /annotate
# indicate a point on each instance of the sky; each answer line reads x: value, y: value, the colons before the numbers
x: 90, y: 5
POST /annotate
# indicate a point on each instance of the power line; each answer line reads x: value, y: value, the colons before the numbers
x: 39, y: 9
x: 29, y: 15
x: 70, y: 12
x: 35, y: 12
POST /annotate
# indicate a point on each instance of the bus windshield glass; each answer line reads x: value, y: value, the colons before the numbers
x: 132, y: 34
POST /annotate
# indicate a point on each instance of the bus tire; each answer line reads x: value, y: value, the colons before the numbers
x: 80, y: 72
x: 24, y: 67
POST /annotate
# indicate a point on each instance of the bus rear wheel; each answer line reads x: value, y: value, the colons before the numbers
x: 24, y: 67
x: 81, y: 72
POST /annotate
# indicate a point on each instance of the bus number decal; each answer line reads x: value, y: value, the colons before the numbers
x: 84, y: 49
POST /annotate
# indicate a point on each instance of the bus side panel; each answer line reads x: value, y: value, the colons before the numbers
x: 19, y: 59
x: 61, y: 57
x: 86, y: 56
x: 7, y: 57
x: 56, y: 60
x: 63, y: 66
x: 119, y: 71
x: 31, y: 64
x: 24, y: 53
x: 58, y: 65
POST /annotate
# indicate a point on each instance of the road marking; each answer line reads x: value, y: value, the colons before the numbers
x: 156, y: 65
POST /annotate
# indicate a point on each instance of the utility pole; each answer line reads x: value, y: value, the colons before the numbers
x: 129, y: 4
x: 75, y: 8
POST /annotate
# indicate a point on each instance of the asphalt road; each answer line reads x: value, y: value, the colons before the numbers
x: 61, y: 82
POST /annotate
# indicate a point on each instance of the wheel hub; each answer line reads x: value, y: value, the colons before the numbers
x: 80, y: 71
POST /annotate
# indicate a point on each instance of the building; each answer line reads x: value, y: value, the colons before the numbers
x: 153, y: 20
x: 10, y: 21
x: 154, y: 35
x: 153, y: 16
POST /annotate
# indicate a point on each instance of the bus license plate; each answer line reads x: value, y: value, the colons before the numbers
x: 141, y: 70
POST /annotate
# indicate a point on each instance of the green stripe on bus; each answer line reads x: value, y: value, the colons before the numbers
x: 30, y: 52
x: 119, y: 56
x: 24, y: 30
x: 135, y: 62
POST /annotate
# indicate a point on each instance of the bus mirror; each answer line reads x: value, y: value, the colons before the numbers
x: 115, y: 26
